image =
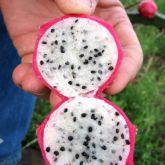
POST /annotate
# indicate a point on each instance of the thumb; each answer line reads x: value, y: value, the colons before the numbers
x: 77, y: 6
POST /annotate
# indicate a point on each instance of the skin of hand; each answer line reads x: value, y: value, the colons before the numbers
x: 23, y: 19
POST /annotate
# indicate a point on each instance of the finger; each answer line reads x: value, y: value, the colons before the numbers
x: 77, y: 6
x: 19, y: 73
x: 114, y: 13
x: 127, y: 72
x: 54, y: 99
x: 25, y: 78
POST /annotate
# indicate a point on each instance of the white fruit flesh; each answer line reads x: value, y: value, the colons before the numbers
x: 76, y: 56
x: 66, y: 132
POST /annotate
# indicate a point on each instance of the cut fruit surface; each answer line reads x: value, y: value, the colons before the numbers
x: 76, y: 55
x: 87, y: 130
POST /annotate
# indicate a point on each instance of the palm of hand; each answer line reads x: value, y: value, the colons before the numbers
x: 23, y: 19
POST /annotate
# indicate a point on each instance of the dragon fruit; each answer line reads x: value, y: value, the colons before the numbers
x: 76, y: 56
x: 148, y: 8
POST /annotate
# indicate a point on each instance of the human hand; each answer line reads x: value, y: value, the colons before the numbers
x: 23, y: 18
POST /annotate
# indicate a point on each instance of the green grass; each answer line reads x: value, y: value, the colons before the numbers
x: 143, y: 100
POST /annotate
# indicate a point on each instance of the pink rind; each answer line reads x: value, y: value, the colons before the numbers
x: 40, y: 129
x: 49, y: 24
x: 132, y: 131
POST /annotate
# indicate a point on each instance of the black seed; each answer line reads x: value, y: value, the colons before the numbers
x: 76, y: 21
x: 96, y: 50
x: 94, y: 157
x: 90, y: 129
x: 113, y: 151
x: 63, y: 41
x: 72, y: 67
x: 52, y: 30
x: 117, y: 130
x: 70, y: 150
x: 81, y: 163
x: 85, y: 154
x: 77, y: 85
x: 116, y: 113
x: 74, y: 119
x: 67, y: 63
x: 93, y: 117
x: 81, y: 55
x: 115, y: 138
x: 77, y: 156
x: 73, y: 74
x: 104, y: 147
x: 47, y: 149
x: 44, y: 55
x: 99, y: 54
x: 110, y: 68
x: 62, y: 49
x: 56, y: 153
x: 70, y: 138
x: 127, y: 142
x: 117, y: 123
x: 94, y: 62
x: 87, y: 138
x: 122, y: 136
x: 96, y: 55
x: 120, y: 157
x: 99, y: 122
x: 90, y: 58
x: 44, y: 42
x: 101, y: 161
x: 100, y: 65
x: 41, y: 62
x: 100, y: 71
x: 62, y: 148
x: 93, y: 71
x: 56, y: 42
x: 70, y: 82
x: 84, y: 87
x: 85, y: 62
x: 94, y: 145
x: 85, y: 47
x: 83, y: 115
x: 85, y: 143
x: 98, y: 78
x: 65, y: 110
x: 59, y: 66
x: 72, y: 114
x: 71, y: 27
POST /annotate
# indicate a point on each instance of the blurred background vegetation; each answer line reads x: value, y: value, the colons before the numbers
x: 143, y: 100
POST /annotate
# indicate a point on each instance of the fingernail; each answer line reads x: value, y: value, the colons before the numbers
x: 77, y: 6
x: 89, y: 3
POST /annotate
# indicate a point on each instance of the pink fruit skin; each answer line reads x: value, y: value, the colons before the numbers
x: 49, y: 24
x: 132, y: 132
x: 148, y: 9
x: 40, y: 129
